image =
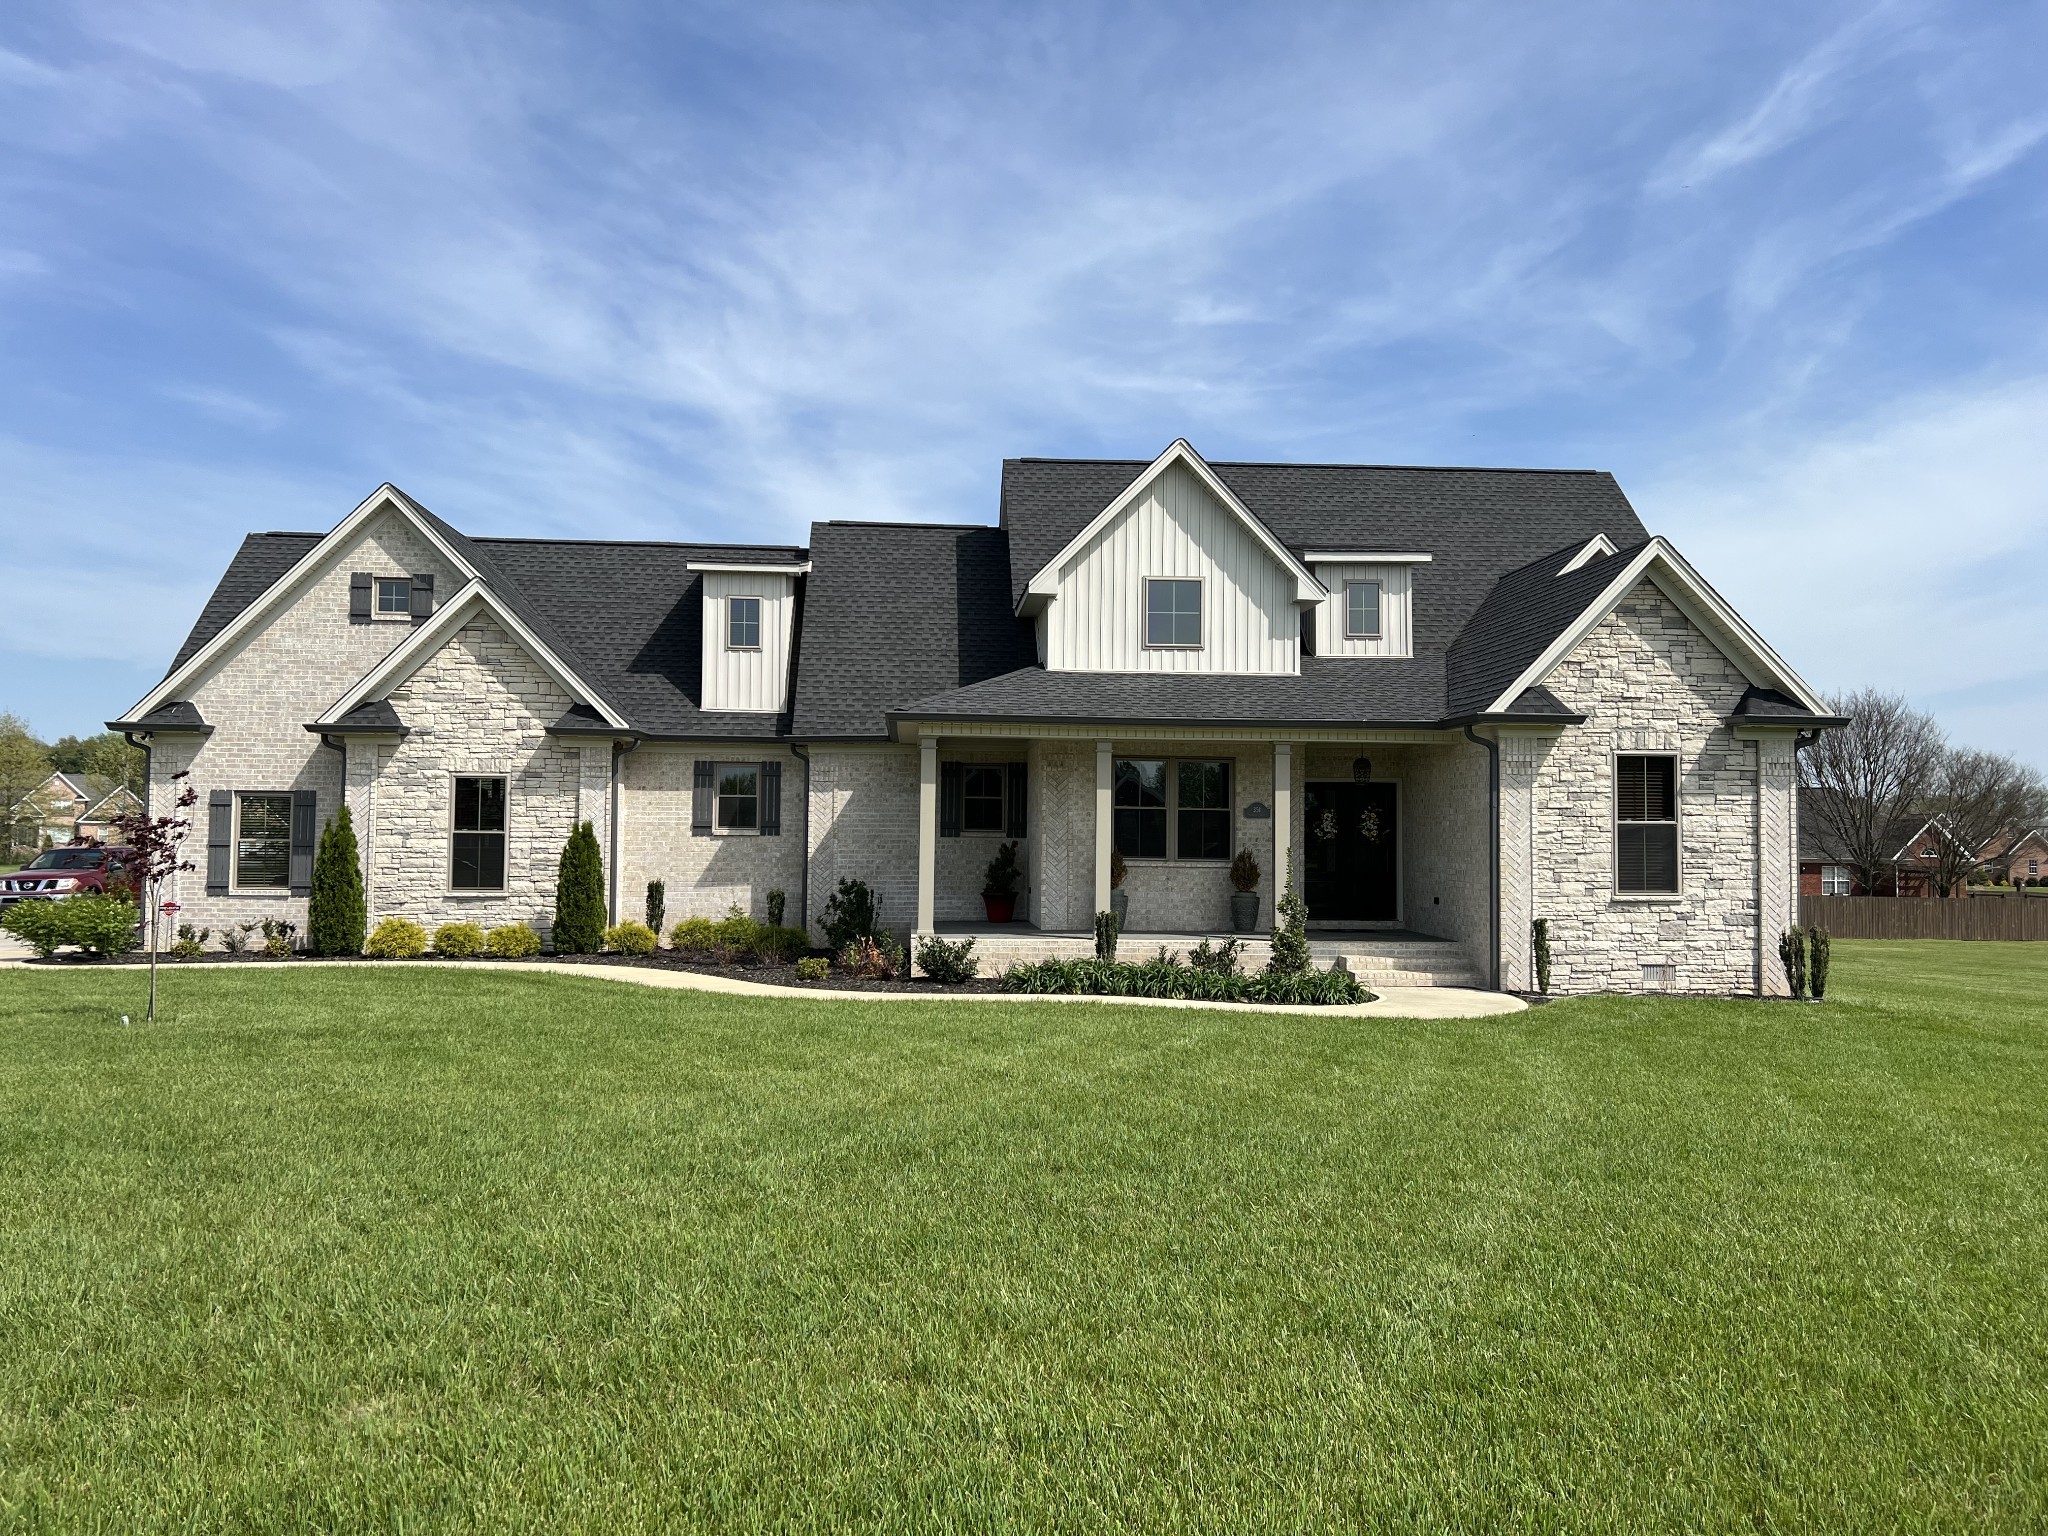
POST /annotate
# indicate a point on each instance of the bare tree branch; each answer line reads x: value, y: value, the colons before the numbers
x: 1980, y: 795
x: 1873, y: 774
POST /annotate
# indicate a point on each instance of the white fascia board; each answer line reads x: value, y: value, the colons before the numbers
x: 1696, y: 600
x: 1599, y: 547
x: 430, y: 636
x: 1343, y: 557
x: 311, y: 564
x: 1045, y: 582
x: 750, y: 568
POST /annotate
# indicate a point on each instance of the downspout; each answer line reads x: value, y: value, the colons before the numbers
x: 618, y: 751
x: 1493, y: 868
x: 803, y: 879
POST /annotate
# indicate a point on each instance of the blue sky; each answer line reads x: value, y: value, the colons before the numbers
x: 668, y: 271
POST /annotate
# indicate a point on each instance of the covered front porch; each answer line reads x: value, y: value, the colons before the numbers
x: 1387, y: 833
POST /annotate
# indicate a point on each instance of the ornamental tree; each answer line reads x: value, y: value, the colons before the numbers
x: 156, y: 845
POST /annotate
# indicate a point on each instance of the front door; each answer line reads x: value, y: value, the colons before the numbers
x: 1349, y: 841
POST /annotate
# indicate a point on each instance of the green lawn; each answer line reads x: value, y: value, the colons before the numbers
x: 371, y: 1250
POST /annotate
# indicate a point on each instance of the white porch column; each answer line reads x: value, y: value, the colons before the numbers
x: 927, y: 830
x: 1105, y: 824
x: 1283, y: 819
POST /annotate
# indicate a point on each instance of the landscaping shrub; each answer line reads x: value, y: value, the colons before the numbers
x: 191, y: 942
x: 778, y: 904
x: 396, y: 938
x: 777, y: 945
x: 871, y: 960
x: 630, y: 938
x: 999, y: 880
x: 1291, y: 955
x: 694, y: 935
x: 235, y: 938
x: 513, y: 941
x: 1106, y: 927
x: 1245, y: 873
x: 657, y: 903
x: 948, y: 963
x: 1817, y: 946
x: 1792, y: 952
x: 102, y: 925
x: 337, y: 915
x: 579, y: 895
x: 1164, y: 976
x: 851, y: 914
x: 1539, y: 945
x: 1221, y: 960
x: 279, y: 937
x: 813, y: 968
x: 459, y: 941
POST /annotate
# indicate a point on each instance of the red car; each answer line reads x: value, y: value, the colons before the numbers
x: 63, y: 872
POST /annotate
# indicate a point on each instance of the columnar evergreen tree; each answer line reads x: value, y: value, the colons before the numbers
x: 579, y: 895
x: 337, y: 917
x: 1291, y: 955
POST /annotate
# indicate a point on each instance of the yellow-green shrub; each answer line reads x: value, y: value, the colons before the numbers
x: 459, y: 941
x: 694, y: 933
x: 396, y: 938
x: 630, y: 938
x: 514, y: 941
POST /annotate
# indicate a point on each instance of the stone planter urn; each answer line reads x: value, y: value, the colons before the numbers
x: 1244, y: 911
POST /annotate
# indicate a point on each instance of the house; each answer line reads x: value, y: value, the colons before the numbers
x: 73, y: 807
x: 2017, y: 856
x: 1453, y: 700
x: 1912, y: 866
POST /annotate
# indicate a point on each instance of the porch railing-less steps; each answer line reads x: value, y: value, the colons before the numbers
x: 1404, y: 960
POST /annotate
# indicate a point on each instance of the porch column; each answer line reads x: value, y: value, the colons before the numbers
x: 1105, y: 825
x: 1283, y: 819
x: 927, y: 829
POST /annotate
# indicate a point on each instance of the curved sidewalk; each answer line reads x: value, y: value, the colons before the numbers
x: 1389, y: 1003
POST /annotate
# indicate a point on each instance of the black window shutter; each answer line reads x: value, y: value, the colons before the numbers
x: 359, y: 597
x: 305, y: 828
x: 700, y: 799
x: 952, y: 798
x: 771, y: 799
x: 422, y: 595
x: 220, y: 840
x: 1015, y: 783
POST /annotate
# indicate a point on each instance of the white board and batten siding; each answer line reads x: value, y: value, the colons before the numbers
x: 748, y: 681
x: 1397, y: 626
x: 1176, y: 528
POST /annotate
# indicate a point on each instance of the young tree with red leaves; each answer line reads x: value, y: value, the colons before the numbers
x: 156, y: 846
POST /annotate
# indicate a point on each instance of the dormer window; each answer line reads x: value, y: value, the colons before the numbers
x: 1361, y: 610
x: 743, y: 623
x: 1173, y: 613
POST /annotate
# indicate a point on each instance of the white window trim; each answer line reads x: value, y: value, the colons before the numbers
x: 1000, y: 833
x: 1677, y: 822
x: 235, y: 886
x: 718, y: 829
x: 1379, y: 608
x: 477, y: 892
x: 1145, y: 614
x: 760, y: 619
x: 1837, y: 872
x: 1172, y: 856
x: 377, y: 613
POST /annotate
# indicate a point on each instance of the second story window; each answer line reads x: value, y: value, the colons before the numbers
x: 1361, y: 610
x: 1173, y: 613
x: 394, y: 596
x: 743, y: 623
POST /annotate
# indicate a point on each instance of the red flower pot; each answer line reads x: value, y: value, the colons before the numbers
x: 1000, y: 909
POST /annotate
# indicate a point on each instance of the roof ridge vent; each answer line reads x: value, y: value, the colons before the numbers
x: 1599, y: 547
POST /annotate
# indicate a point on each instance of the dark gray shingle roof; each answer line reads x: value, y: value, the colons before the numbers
x: 1526, y: 610
x: 257, y: 565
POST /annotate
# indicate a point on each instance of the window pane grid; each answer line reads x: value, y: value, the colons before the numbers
x: 394, y: 594
x: 1361, y: 610
x: 1173, y: 613
x: 982, y: 799
x: 739, y: 804
x: 477, y: 841
x: 743, y: 623
x: 1198, y: 809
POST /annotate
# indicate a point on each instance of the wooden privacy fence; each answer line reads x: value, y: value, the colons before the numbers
x: 1885, y: 917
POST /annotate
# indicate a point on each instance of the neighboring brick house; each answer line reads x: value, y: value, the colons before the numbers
x: 74, y: 807
x: 2018, y: 856
x: 1454, y: 700
x: 1911, y: 868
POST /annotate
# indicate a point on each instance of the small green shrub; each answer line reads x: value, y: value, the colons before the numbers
x: 37, y: 924
x: 947, y: 963
x: 851, y: 914
x: 1221, y: 960
x: 1105, y: 937
x: 1792, y: 953
x: 778, y: 904
x: 694, y: 935
x: 191, y: 942
x: 100, y: 925
x: 1817, y: 946
x: 1000, y: 879
x: 1245, y: 873
x: 579, y: 894
x: 1291, y: 955
x: 870, y: 960
x: 396, y: 938
x: 1163, y: 976
x: 235, y: 938
x: 280, y: 938
x: 629, y: 938
x: 657, y: 903
x: 459, y: 941
x: 777, y: 945
x: 813, y: 968
x: 513, y: 941
x: 1539, y: 944
x: 337, y: 913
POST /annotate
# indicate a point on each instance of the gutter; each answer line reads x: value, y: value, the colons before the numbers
x: 803, y: 879
x: 1493, y: 837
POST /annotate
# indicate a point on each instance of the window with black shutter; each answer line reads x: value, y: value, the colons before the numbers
x: 1646, y: 823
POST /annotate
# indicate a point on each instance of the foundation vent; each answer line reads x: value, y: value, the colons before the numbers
x: 1659, y: 977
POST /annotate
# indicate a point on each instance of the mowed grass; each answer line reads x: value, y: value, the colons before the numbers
x: 472, y: 1250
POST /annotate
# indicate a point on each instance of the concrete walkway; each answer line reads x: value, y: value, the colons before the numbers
x: 1388, y: 1003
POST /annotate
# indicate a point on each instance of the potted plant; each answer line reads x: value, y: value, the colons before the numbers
x: 1244, y: 905
x: 1119, y: 898
x: 999, y: 885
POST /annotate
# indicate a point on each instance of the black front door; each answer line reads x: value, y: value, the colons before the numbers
x: 1349, y: 841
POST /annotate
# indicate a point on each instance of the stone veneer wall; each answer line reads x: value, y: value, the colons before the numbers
x: 480, y: 704
x: 258, y: 698
x: 1648, y: 680
x: 705, y: 876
